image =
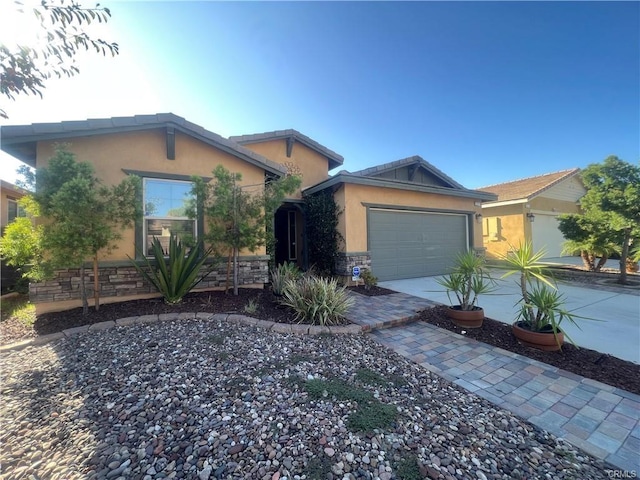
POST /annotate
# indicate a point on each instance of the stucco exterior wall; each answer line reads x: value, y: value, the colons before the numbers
x: 353, y: 222
x: 146, y: 151
x: 553, y: 206
x: 504, y: 227
x: 313, y: 167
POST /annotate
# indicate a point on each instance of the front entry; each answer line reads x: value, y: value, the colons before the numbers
x: 289, y: 233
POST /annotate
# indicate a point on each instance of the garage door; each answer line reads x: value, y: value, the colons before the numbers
x: 414, y: 244
x: 545, y: 234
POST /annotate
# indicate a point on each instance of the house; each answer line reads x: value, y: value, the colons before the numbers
x: 402, y: 219
x: 9, y: 196
x: 527, y: 210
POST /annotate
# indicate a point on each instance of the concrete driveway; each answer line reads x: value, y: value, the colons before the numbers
x: 617, y: 333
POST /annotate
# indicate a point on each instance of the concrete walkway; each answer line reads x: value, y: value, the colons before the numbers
x: 602, y: 420
x: 612, y: 323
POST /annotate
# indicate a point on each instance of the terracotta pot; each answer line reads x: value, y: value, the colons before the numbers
x: 466, y: 318
x: 541, y: 341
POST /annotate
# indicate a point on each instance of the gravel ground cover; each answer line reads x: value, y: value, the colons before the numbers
x: 206, y: 399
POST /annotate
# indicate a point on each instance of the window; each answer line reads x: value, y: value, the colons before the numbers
x: 14, y: 210
x: 165, y: 212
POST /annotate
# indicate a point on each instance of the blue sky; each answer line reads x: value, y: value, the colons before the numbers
x: 486, y: 91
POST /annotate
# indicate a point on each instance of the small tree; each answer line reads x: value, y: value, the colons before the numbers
x: 82, y: 217
x: 24, y: 69
x: 613, y: 187
x: 237, y: 218
x: 590, y: 237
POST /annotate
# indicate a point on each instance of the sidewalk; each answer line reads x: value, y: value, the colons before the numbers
x: 602, y: 420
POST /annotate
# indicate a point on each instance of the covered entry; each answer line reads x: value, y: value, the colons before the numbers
x: 289, y: 233
x: 409, y: 244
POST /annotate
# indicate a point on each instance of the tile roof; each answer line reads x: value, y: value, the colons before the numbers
x: 415, y: 159
x: 528, y: 188
x: 335, y: 160
x: 20, y: 140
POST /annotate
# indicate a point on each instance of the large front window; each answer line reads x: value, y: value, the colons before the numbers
x: 165, y: 212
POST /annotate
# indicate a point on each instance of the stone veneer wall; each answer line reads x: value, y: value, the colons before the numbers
x: 346, y: 261
x: 122, y: 281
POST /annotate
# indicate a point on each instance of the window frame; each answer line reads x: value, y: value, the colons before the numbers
x: 145, y: 218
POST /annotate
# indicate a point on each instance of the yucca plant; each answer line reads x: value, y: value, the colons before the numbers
x: 176, y: 275
x: 544, y: 311
x: 468, y: 280
x: 318, y: 301
x: 526, y: 263
x: 281, y: 274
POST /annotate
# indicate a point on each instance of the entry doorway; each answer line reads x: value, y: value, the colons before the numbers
x: 289, y: 233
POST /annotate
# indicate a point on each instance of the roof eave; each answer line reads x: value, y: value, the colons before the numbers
x: 385, y: 183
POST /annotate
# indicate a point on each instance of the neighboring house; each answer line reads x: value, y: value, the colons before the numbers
x: 9, y: 196
x: 527, y: 210
x: 403, y: 219
x: 9, y: 211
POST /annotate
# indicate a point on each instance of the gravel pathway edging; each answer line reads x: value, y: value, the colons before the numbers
x: 232, y: 317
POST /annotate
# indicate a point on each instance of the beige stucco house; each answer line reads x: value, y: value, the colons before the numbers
x: 527, y: 210
x: 402, y: 219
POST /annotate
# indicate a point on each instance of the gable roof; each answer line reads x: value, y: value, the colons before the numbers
x: 369, y: 176
x: 414, y: 160
x: 528, y: 188
x: 21, y: 140
x: 335, y: 160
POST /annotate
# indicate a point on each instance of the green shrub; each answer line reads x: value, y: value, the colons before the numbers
x: 368, y: 278
x: 317, y: 301
x: 281, y: 275
x: 251, y: 307
x: 178, y: 274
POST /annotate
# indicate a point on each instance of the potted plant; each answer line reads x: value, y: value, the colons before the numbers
x: 541, y: 305
x: 467, y: 281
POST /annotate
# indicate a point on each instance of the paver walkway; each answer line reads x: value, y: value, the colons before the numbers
x: 385, y: 311
x: 602, y: 420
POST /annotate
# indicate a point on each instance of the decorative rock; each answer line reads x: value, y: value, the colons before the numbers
x: 200, y: 397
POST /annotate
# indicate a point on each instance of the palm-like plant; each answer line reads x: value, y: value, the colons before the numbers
x: 526, y: 263
x: 544, y: 311
x: 177, y: 274
x: 468, y: 280
x: 541, y: 306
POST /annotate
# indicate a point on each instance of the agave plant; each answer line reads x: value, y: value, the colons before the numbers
x: 177, y: 274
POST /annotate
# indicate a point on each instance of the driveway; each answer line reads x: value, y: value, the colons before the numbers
x: 617, y: 332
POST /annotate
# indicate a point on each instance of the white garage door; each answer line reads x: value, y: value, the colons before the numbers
x: 545, y: 234
x: 415, y: 244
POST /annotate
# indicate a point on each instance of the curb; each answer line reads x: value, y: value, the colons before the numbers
x: 267, y: 325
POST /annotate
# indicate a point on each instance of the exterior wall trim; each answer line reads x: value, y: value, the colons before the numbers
x: 378, y: 182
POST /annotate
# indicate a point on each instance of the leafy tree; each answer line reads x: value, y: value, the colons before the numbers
x: 24, y: 69
x: 322, y: 215
x: 590, y: 237
x: 21, y: 244
x: 613, y: 191
x: 238, y: 218
x: 82, y: 217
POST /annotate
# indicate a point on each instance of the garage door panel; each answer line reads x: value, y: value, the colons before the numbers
x: 414, y: 244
